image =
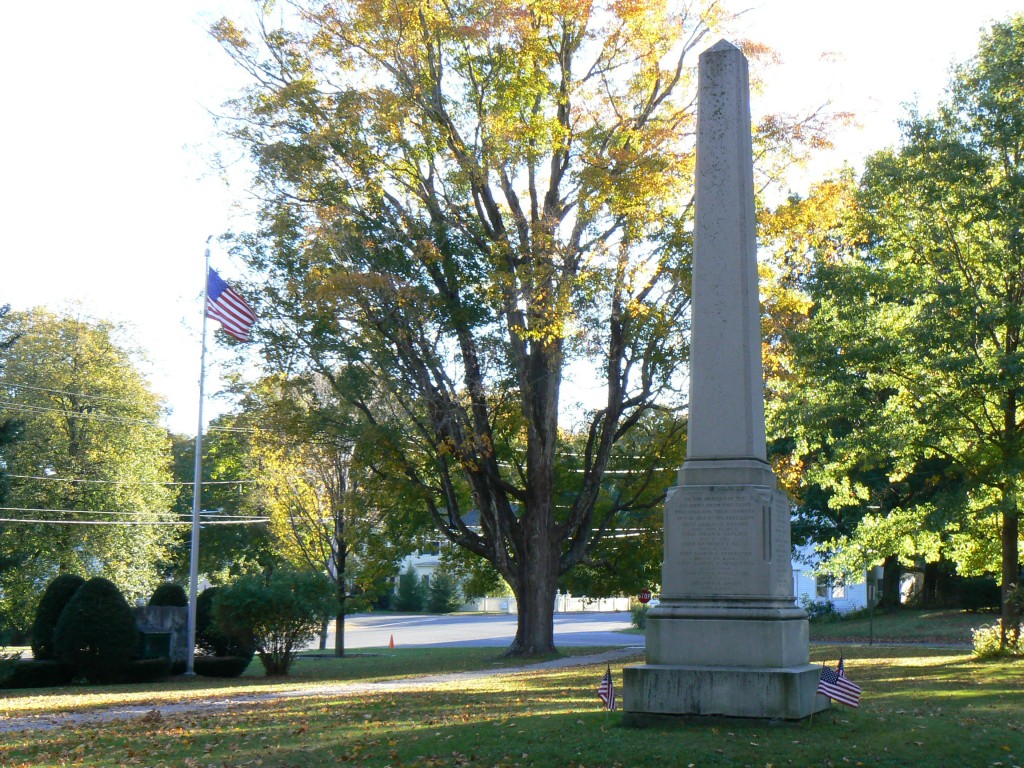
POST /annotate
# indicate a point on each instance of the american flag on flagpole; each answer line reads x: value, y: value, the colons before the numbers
x: 607, y: 690
x: 836, y: 685
x: 225, y: 304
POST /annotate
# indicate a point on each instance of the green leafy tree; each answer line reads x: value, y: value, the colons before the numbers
x: 443, y: 594
x: 277, y: 615
x: 91, y: 463
x: 226, y: 551
x: 822, y: 410
x: 464, y: 206
x: 305, y: 454
x: 9, y: 427
x: 9, y: 430
x: 476, y: 577
x: 411, y: 592
x: 919, y: 330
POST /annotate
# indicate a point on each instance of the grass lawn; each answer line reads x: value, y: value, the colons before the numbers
x: 925, y: 707
x: 905, y: 625
x: 311, y: 670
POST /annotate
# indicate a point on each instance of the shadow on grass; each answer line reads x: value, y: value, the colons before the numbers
x: 308, y: 670
x: 915, y: 711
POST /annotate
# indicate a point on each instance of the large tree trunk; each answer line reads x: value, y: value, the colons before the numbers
x: 340, y: 554
x: 1010, y: 625
x: 339, y: 623
x: 891, y: 583
x: 930, y: 590
x: 937, y: 591
x: 540, y: 545
x: 535, y: 628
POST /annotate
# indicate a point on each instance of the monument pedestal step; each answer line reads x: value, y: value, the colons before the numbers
x: 654, y: 691
x: 738, y: 641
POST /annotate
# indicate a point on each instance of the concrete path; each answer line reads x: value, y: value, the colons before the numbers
x: 156, y: 712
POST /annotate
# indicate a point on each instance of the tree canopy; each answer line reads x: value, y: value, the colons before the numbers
x: 909, y: 360
x: 307, y: 456
x: 10, y: 426
x: 228, y: 550
x: 463, y: 208
x: 91, y: 465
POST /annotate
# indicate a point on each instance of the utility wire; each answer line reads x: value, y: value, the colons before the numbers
x: 128, y: 482
x: 19, y: 385
x: 38, y: 409
x: 206, y: 515
x: 133, y: 522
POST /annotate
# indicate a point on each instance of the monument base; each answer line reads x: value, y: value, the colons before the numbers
x: 658, y: 690
x: 755, y: 642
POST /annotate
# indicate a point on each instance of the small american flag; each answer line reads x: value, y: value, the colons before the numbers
x: 225, y: 304
x: 607, y: 690
x: 836, y: 685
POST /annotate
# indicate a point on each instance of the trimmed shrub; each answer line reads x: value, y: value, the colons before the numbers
x: 820, y: 610
x: 29, y: 673
x: 8, y: 661
x: 145, y: 670
x: 276, y: 616
x: 210, y: 640
x: 169, y: 593
x: 221, y: 666
x: 57, y: 595
x: 96, y: 635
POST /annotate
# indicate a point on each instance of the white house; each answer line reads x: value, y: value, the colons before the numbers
x: 809, y: 587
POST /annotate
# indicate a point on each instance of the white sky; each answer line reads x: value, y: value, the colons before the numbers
x: 107, y: 197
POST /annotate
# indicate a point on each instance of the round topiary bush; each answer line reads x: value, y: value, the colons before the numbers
x: 169, y: 593
x: 96, y: 635
x: 57, y: 595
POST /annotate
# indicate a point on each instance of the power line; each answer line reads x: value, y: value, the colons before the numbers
x: 133, y: 522
x: 20, y: 385
x: 128, y: 482
x: 39, y: 409
x: 205, y: 515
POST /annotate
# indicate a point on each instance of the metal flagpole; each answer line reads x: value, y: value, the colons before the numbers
x: 193, y: 577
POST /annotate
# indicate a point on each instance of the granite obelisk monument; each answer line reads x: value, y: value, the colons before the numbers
x: 727, y: 638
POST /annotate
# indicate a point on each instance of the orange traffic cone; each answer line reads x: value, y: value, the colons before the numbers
x: 392, y: 643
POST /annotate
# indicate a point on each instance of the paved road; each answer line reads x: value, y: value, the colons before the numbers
x: 375, y: 630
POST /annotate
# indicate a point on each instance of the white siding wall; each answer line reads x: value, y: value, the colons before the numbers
x: 846, y: 598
